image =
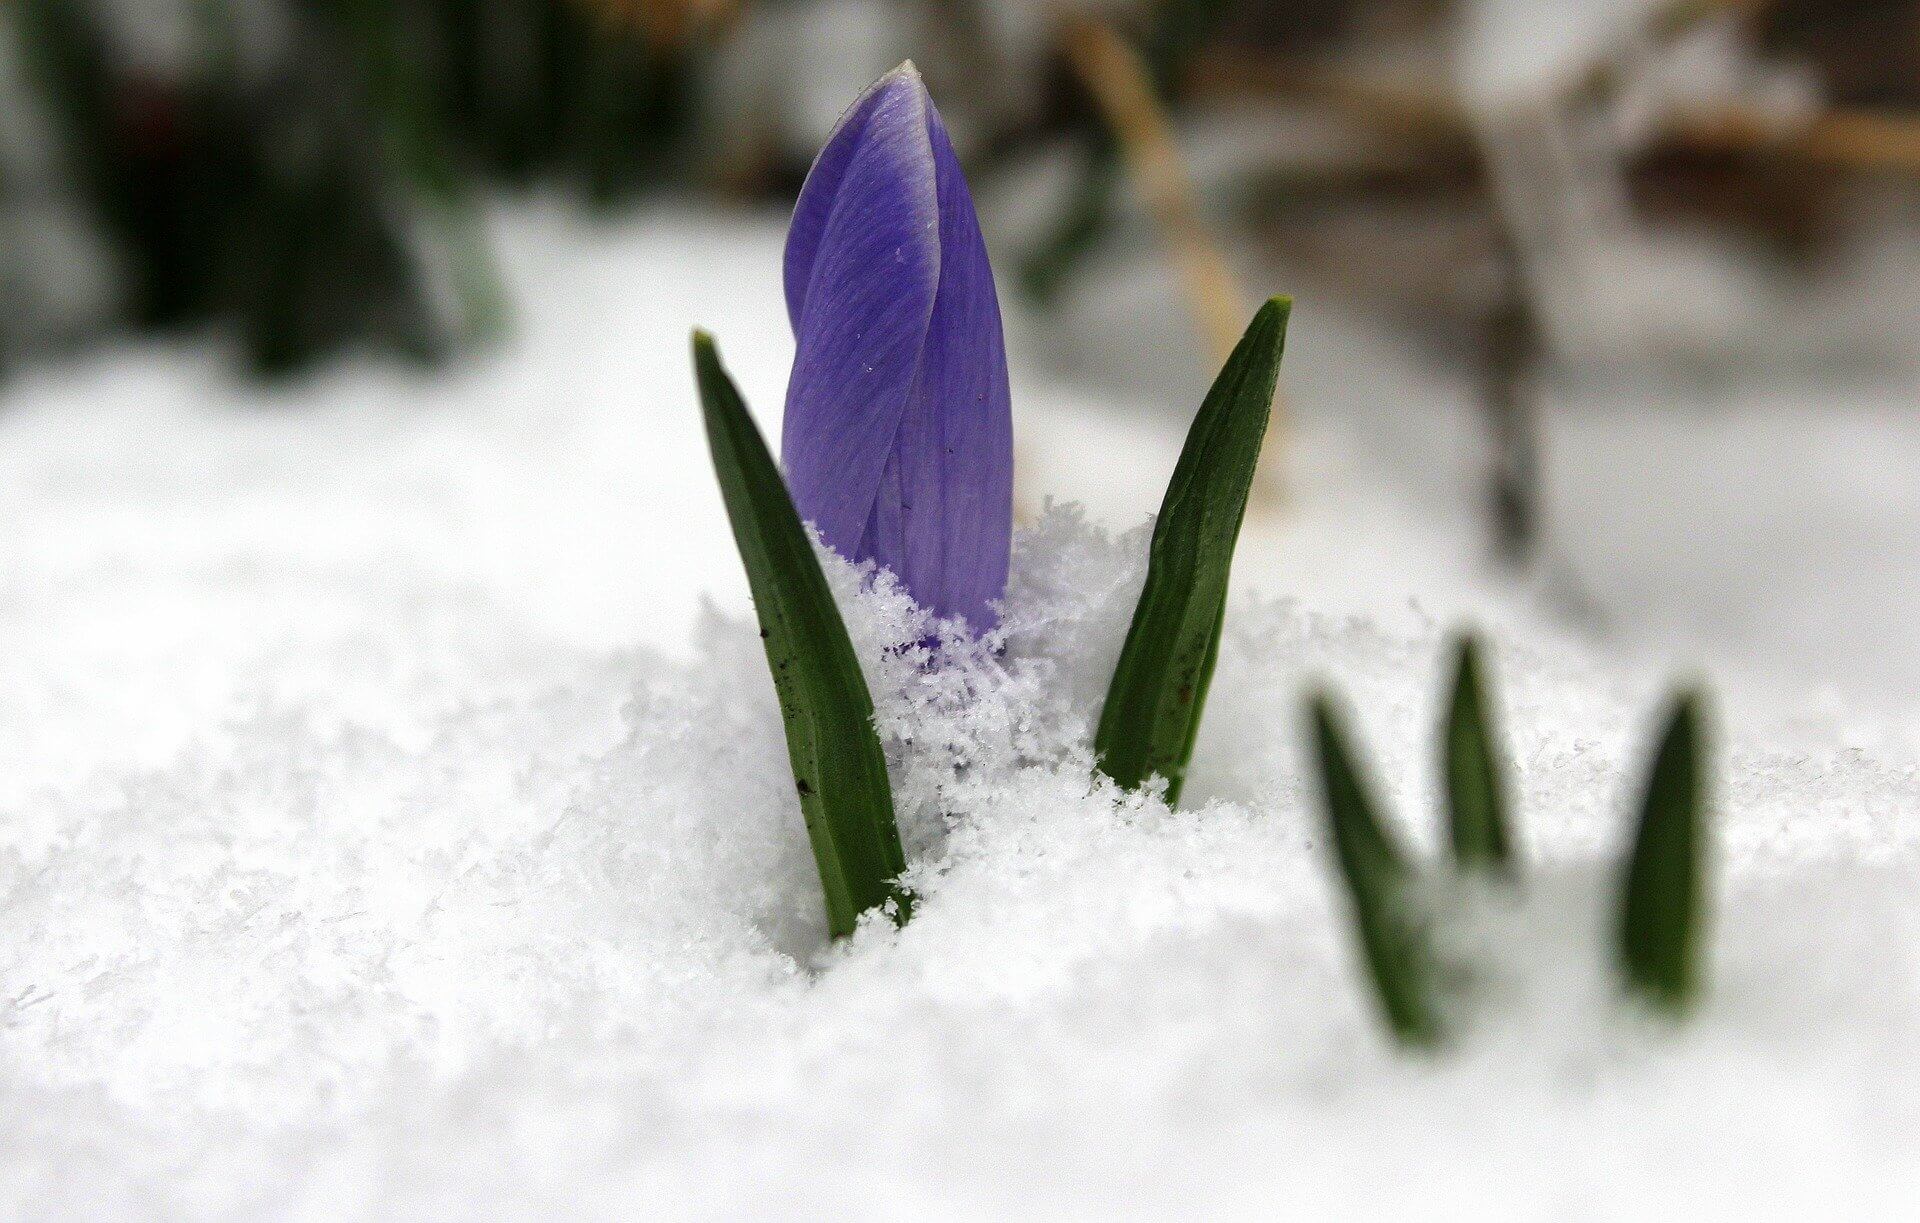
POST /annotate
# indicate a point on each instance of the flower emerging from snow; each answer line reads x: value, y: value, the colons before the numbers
x: 898, y: 441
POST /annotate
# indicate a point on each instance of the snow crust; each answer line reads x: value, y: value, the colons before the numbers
x: 378, y: 843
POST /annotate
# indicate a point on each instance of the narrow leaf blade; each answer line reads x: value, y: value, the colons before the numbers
x: 838, y: 766
x: 1663, y: 893
x: 1379, y: 881
x: 1159, y: 688
x: 1476, y: 800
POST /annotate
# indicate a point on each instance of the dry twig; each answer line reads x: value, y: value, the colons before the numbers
x: 1117, y: 77
x: 1114, y: 74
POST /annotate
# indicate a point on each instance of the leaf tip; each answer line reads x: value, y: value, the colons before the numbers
x: 1470, y: 765
x: 1663, y: 901
x: 1273, y: 315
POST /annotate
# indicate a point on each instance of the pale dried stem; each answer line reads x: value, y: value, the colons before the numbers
x: 1118, y: 81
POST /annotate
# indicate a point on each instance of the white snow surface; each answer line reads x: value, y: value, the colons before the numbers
x: 391, y: 832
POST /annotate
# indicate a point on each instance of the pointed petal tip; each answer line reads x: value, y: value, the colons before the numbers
x: 906, y: 76
x: 904, y: 85
x: 899, y: 94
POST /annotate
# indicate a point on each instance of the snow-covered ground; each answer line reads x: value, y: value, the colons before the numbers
x: 394, y: 828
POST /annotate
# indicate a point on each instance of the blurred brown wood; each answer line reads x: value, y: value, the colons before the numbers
x: 1866, y: 140
x: 1875, y: 141
x: 667, y: 23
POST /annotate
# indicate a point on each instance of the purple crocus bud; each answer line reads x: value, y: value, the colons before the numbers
x: 898, y: 441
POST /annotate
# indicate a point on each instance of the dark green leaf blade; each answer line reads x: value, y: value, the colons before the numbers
x: 1159, y: 688
x: 1663, y: 892
x: 838, y: 766
x: 1379, y: 882
x: 1476, y: 800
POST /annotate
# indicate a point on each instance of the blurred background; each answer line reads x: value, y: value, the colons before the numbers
x: 1606, y: 308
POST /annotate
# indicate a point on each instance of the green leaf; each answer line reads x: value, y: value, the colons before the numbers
x: 1476, y: 803
x: 838, y: 766
x: 1663, y: 895
x: 1159, y: 688
x: 1379, y: 883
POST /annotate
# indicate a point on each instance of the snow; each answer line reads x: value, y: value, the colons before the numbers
x: 398, y: 825
x: 1512, y: 51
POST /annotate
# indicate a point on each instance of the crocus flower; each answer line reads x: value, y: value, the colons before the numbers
x: 898, y: 440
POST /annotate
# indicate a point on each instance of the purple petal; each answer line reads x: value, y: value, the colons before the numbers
x: 898, y: 439
x: 815, y: 205
x: 943, y: 519
x: 868, y: 259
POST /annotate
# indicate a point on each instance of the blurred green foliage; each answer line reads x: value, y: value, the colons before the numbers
x: 302, y: 176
